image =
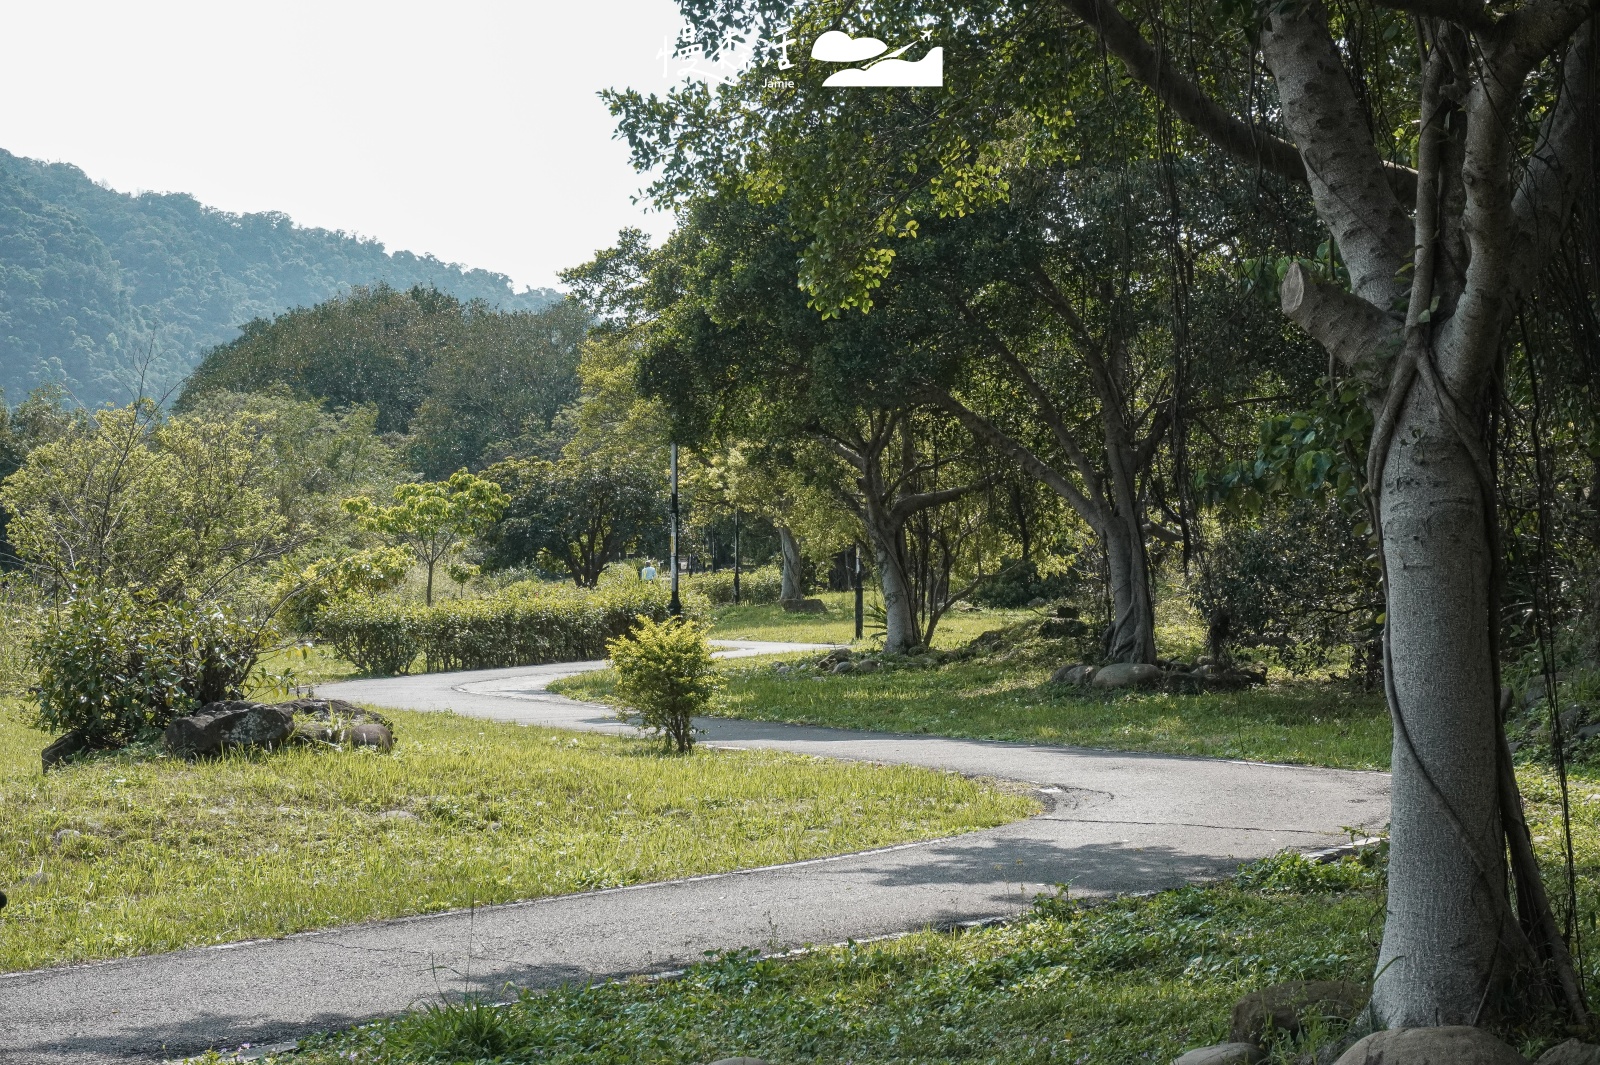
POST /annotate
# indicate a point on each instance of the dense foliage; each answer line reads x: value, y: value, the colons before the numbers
x: 525, y: 624
x: 116, y: 296
x: 665, y: 676
x: 470, y: 383
x: 112, y: 664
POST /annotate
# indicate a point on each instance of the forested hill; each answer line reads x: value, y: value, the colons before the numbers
x: 97, y: 286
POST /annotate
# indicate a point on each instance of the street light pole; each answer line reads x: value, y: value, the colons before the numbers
x: 675, y: 606
x: 735, y: 556
x: 856, y: 580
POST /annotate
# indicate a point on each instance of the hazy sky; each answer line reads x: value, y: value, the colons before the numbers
x: 470, y: 130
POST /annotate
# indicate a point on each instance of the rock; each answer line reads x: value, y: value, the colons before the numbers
x: 1571, y: 1052
x: 843, y: 667
x: 67, y: 747
x: 867, y: 665
x: 1589, y: 732
x: 371, y: 734
x: 260, y: 726
x: 331, y: 711
x: 398, y: 815
x: 62, y: 835
x: 1571, y: 718
x: 781, y: 668
x: 1125, y: 675
x: 204, y: 732
x: 1456, y: 1045
x: 1285, y: 1007
x: 1079, y: 675
x: 1036, y: 602
x: 1223, y: 1054
x: 803, y: 606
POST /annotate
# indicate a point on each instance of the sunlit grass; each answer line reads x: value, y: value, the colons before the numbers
x: 1308, y: 723
x: 770, y: 622
x: 140, y: 853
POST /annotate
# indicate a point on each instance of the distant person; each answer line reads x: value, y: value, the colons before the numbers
x: 648, y: 573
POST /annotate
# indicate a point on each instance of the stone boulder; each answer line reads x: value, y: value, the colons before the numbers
x: 371, y: 734
x: 1076, y: 675
x: 1431, y: 1046
x: 1571, y: 1052
x: 236, y: 723
x: 803, y: 606
x: 867, y: 665
x: 1286, y: 1007
x: 1223, y: 1054
x: 1126, y: 675
x: 843, y: 667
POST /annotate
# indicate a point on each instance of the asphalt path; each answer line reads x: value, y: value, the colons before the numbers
x: 1113, y: 823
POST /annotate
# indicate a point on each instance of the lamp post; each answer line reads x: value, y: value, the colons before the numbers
x: 855, y: 579
x: 735, y: 556
x: 675, y: 606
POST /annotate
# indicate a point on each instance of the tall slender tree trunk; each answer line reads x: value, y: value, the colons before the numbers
x: 789, y: 545
x: 1450, y: 934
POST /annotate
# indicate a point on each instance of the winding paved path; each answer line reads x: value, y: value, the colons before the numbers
x: 1114, y: 823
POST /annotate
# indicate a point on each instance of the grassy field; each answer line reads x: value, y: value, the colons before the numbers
x: 769, y: 622
x: 139, y: 853
x: 1309, y: 723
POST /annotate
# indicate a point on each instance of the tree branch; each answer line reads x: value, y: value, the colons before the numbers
x: 1344, y: 170
x: 1350, y: 328
x: 985, y: 430
x: 1557, y: 169
x: 1243, y: 140
x: 906, y: 506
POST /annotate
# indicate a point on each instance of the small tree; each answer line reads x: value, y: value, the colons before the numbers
x: 665, y: 674
x: 578, y: 514
x: 432, y: 519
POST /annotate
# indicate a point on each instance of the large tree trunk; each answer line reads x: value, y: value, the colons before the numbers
x: 1132, y: 633
x: 900, y: 610
x: 1450, y: 933
x: 792, y: 564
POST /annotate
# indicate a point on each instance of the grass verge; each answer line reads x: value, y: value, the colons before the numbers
x: 1132, y: 981
x: 139, y: 853
x: 1307, y: 722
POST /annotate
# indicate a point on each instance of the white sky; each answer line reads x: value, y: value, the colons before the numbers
x: 467, y: 129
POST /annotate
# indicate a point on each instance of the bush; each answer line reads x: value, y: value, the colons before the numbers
x: 1020, y: 583
x: 526, y: 624
x: 761, y: 585
x: 112, y: 665
x: 665, y: 674
x: 1297, y: 583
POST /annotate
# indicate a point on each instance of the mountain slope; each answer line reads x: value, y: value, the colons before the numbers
x: 99, y: 289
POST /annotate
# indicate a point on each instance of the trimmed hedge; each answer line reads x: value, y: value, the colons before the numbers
x: 526, y: 624
x: 762, y: 585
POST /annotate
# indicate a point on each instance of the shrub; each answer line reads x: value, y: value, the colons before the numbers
x: 665, y: 675
x: 112, y: 664
x: 763, y: 585
x: 526, y: 624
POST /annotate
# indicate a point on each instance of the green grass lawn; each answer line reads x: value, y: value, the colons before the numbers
x: 770, y: 622
x: 139, y: 853
x: 1310, y: 723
